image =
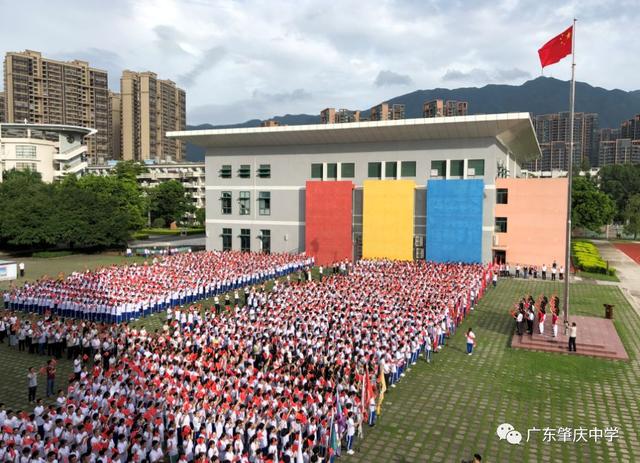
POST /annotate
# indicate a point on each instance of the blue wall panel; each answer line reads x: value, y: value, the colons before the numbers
x: 454, y: 220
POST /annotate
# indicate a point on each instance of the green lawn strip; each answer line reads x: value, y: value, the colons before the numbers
x: 597, y: 276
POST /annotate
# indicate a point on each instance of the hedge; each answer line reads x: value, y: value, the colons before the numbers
x: 587, y: 258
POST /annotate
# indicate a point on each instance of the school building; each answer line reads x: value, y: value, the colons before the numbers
x: 442, y: 189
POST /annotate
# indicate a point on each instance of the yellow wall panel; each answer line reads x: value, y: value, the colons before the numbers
x: 387, y: 228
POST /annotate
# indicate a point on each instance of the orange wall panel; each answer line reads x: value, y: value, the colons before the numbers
x: 536, y: 220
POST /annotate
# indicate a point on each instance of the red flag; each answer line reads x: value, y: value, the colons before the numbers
x: 556, y: 48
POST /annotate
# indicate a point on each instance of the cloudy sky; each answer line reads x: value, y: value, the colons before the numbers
x: 247, y: 59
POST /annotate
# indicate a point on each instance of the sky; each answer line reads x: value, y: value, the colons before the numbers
x: 246, y: 59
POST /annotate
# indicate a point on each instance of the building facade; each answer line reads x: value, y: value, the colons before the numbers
x: 52, y: 150
x: 190, y: 174
x: 441, y: 108
x: 386, y: 112
x: 339, y: 116
x: 409, y: 189
x: 149, y: 108
x: 45, y: 91
x: 621, y: 145
x: 553, y: 130
x: 3, y: 114
x: 115, y: 119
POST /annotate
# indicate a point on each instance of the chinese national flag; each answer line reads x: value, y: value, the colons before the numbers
x: 556, y: 48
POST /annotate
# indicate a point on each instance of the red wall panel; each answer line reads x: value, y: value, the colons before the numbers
x: 328, y: 216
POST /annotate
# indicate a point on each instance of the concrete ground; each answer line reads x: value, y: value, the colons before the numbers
x: 627, y: 269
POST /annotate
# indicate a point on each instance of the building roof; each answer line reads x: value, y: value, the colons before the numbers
x: 513, y: 130
x: 86, y: 131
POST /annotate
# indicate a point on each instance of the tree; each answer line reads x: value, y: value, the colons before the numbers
x: 590, y: 207
x: 620, y: 182
x: 201, y: 216
x: 169, y: 201
x: 129, y: 170
x: 632, y: 216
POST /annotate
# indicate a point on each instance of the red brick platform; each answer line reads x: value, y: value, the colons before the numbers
x: 597, y: 337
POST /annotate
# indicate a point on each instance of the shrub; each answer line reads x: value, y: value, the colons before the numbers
x: 158, y: 223
x: 587, y: 258
x: 50, y: 254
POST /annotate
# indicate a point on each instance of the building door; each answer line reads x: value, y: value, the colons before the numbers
x: 357, y: 246
x: 418, y: 247
x: 265, y: 237
x: 226, y: 239
x: 499, y: 256
x: 245, y: 240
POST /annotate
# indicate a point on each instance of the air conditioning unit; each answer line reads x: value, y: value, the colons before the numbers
x: 471, y: 172
x: 419, y: 253
x: 496, y: 241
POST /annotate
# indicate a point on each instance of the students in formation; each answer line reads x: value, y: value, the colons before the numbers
x: 527, y: 310
x: 290, y: 375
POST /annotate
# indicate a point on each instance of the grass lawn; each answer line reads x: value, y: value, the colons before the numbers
x: 597, y: 276
x: 450, y: 409
x: 37, y: 267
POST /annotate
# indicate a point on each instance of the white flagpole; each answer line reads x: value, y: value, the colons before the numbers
x: 567, y: 266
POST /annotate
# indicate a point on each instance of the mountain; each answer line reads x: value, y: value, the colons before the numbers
x: 538, y: 96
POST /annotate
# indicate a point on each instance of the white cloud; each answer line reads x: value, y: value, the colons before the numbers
x: 240, y: 60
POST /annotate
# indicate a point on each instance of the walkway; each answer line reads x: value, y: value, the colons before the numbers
x: 627, y: 269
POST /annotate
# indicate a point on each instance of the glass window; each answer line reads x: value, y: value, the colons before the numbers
x: 332, y: 170
x: 477, y: 165
x: 26, y: 166
x: 225, y: 171
x: 245, y: 240
x: 501, y: 225
x: 225, y: 200
x: 265, y: 237
x: 26, y: 151
x: 457, y: 168
x: 316, y: 171
x: 264, y: 171
x: 390, y: 169
x: 264, y: 202
x: 502, y: 196
x: 438, y: 168
x: 347, y: 170
x: 375, y: 170
x: 226, y: 239
x: 245, y: 202
x: 244, y: 171
x: 408, y: 169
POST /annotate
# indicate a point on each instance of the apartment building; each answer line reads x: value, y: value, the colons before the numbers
x: 442, y: 108
x: 45, y: 91
x: 619, y: 151
x: 386, y: 112
x: 2, y: 111
x: 552, y: 131
x: 340, y: 116
x: 149, y: 108
x: 115, y: 119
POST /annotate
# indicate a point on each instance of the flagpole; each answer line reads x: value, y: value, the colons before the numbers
x: 570, y: 177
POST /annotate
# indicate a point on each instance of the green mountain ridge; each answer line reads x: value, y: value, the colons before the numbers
x: 541, y: 95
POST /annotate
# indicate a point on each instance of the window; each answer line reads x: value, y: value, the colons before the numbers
x: 264, y: 203
x: 245, y: 202
x: 347, y: 170
x: 225, y: 171
x: 226, y: 239
x: 225, y: 200
x: 438, y: 168
x: 316, y: 171
x: 375, y: 170
x: 457, y: 168
x: 477, y: 165
x: 244, y: 171
x: 265, y: 236
x: 26, y: 151
x: 390, y: 169
x: 408, y: 169
x: 501, y: 225
x: 502, y: 196
x: 332, y: 170
x: 264, y: 171
x: 26, y: 166
x: 245, y: 240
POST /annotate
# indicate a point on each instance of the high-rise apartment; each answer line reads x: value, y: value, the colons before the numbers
x: 441, y: 108
x: 115, y: 119
x: 631, y: 128
x: 269, y: 123
x: 2, y: 111
x: 553, y: 130
x: 340, y: 116
x: 619, y: 151
x: 386, y: 112
x: 151, y: 107
x: 46, y: 91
